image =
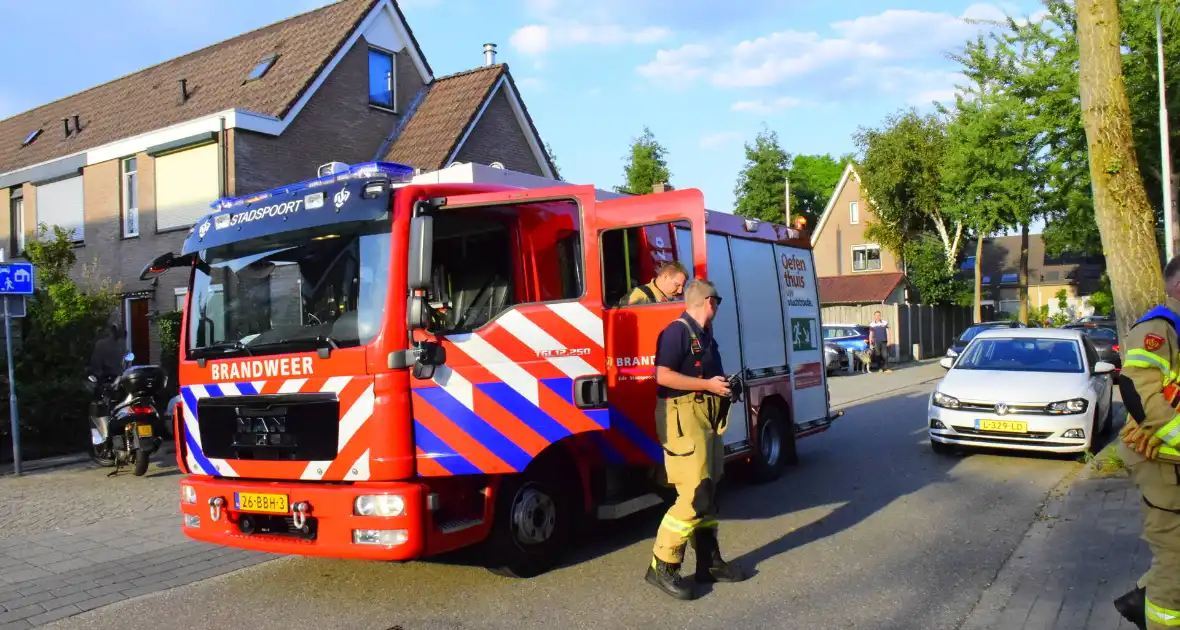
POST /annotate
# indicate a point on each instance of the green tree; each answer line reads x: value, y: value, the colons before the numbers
x: 63, y: 321
x: 553, y: 160
x: 813, y: 180
x: 1102, y: 300
x: 761, y: 184
x: 646, y: 165
x: 901, y: 178
x: 928, y: 272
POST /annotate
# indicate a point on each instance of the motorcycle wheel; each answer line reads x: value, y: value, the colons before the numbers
x: 141, y: 463
x: 102, y: 456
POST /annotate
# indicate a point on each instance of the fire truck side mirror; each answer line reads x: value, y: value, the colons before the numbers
x: 418, y: 313
x: 421, y: 246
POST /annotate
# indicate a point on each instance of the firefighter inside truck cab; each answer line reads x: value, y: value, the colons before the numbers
x: 667, y: 285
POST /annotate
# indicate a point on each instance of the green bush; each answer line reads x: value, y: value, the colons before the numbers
x: 63, y: 322
x: 168, y: 325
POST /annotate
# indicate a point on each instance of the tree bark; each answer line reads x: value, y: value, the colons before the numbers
x: 1022, y: 281
x: 1126, y: 221
x: 978, y: 277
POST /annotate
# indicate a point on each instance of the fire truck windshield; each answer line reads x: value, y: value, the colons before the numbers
x: 291, y: 292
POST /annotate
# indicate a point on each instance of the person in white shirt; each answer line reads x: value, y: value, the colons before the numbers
x: 879, y: 339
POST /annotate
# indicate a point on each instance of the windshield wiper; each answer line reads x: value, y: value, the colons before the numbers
x: 224, y: 347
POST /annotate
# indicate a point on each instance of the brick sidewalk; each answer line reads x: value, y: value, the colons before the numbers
x: 72, y: 540
x: 1081, y: 553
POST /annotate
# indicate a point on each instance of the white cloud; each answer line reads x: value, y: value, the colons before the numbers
x: 537, y: 39
x: 720, y: 138
x: 766, y: 107
x: 892, y: 51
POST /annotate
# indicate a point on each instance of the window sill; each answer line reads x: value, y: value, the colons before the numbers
x: 866, y: 270
x: 383, y: 108
x: 174, y: 230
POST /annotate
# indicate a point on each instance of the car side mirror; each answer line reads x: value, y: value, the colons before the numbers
x: 1103, y: 367
x: 418, y: 313
x: 947, y: 362
x: 430, y: 356
x: 421, y: 252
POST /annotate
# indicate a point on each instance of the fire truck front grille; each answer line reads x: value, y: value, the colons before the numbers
x: 283, y: 427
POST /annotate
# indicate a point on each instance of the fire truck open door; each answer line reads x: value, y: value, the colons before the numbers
x: 506, y: 317
x: 636, y: 235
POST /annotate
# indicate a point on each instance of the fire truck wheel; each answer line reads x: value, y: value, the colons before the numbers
x: 533, y: 519
x: 776, y: 444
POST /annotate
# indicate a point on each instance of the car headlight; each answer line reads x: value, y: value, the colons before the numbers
x: 944, y: 401
x: 1077, y: 405
x: 379, y: 505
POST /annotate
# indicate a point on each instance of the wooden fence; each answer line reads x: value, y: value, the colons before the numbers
x: 915, y: 331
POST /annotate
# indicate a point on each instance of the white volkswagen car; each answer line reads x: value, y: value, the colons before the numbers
x: 1033, y: 389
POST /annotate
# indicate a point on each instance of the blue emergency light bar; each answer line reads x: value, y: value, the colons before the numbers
x: 397, y: 173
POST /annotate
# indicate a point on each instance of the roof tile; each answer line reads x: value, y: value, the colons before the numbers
x: 150, y: 99
x: 869, y: 288
x: 431, y: 135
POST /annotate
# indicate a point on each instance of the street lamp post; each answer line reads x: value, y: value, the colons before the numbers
x: 1165, y: 150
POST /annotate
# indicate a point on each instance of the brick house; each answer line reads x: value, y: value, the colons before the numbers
x: 130, y: 165
x: 1077, y: 275
x: 852, y: 268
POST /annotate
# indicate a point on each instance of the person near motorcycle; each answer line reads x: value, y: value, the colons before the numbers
x: 106, y: 362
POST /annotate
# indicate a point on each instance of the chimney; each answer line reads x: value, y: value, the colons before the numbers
x: 661, y: 187
x: 65, y: 123
x: 77, y: 124
x: 489, y: 54
x: 183, y: 90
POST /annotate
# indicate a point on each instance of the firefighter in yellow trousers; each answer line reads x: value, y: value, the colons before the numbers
x: 1151, y: 449
x: 691, y: 401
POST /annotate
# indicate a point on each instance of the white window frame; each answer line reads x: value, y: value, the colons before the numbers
x: 16, y: 209
x: 854, y: 212
x: 179, y: 296
x: 866, y: 249
x: 128, y: 188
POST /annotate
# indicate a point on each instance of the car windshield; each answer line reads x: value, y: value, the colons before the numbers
x: 1023, y: 354
x: 296, y: 291
x: 1099, y: 332
x: 971, y: 332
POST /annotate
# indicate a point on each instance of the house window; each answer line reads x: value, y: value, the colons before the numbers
x: 854, y: 212
x: 16, y: 207
x: 1010, y: 278
x: 130, y: 199
x: 382, y: 88
x: 60, y: 203
x: 866, y: 258
x: 186, y: 183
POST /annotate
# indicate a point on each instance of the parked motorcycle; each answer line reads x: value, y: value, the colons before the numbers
x: 123, y: 416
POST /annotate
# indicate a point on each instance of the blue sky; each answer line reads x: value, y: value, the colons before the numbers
x: 592, y: 72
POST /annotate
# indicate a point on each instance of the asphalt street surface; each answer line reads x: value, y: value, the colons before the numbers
x: 870, y: 530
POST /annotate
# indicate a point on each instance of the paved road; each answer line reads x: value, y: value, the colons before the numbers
x: 871, y: 530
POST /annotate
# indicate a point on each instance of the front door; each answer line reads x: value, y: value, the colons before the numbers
x: 138, y: 329
x: 637, y: 235
x: 518, y: 310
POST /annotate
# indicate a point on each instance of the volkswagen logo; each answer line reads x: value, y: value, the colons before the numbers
x: 1001, y: 409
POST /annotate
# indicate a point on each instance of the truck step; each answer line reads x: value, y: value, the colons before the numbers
x: 612, y: 511
x: 458, y: 525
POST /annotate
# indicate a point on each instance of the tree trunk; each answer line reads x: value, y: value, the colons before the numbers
x: 1126, y: 221
x: 978, y: 277
x: 1022, y: 281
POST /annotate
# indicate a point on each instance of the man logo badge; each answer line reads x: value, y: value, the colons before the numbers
x: 204, y: 229
x: 340, y: 197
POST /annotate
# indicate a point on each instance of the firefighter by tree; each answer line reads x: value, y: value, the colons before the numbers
x: 690, y: 419
x: 668, y: 283
x: 1151, y: 449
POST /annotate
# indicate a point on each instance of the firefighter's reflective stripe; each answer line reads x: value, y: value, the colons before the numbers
x: 1163, y: 616
x: 709, y: 523
x: 1139, y: 357
x: 1170, y: 433
x: 676, y: 525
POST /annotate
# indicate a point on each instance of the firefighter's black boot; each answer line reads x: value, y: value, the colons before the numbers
x: 1133, y: 607
x: 666, y: 576
x: 710, y: 566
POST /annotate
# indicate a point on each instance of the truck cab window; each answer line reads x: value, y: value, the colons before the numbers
x: 631, y: 255
x: 487, y: 260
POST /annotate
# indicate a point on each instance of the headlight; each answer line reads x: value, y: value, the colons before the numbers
x: 1077, y: 405
x: 379, y: 505
x: 188, y: 494
x: 944, y: 401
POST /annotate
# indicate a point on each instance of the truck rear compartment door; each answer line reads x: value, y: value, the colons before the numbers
x: 518, y: 310
x: 800, y: 296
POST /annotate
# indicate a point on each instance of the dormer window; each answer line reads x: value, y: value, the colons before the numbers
x: 262, y: 67
x: 30, y: 138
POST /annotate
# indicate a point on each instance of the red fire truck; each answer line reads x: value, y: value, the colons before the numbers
x: 383, y: 364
